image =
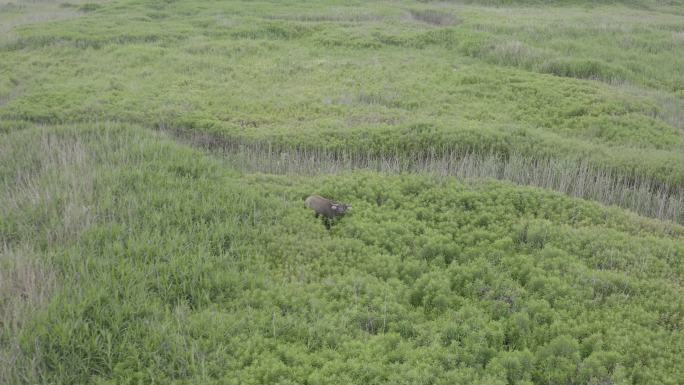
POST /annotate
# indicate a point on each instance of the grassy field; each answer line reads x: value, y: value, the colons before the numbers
x: 602, y: 86
x: 155, y: 155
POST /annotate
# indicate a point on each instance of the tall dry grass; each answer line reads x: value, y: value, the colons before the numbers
x: 46, y: 197
x: 26, y: 286
x: 576, y: 178
x: 54, y: 183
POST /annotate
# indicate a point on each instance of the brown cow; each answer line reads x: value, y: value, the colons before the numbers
x: 327, y: 208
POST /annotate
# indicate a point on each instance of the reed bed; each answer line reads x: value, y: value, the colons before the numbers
x: 573, y: 177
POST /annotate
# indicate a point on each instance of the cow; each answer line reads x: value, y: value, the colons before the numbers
x: 326, y: 208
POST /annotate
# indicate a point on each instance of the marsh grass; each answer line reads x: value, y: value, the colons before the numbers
x: 17, y: 13
x: 433, y: 17
x: 670, y: 106
x: 306, y: 73
x: 188, y: 271
x: 576, y: 178
x: 8, y: 95
x: 55, y: 184
x: 333, y: 14
x: 46, y: 201
x: 128, y: 257
x: 27, y: 283
x: 600, y: 45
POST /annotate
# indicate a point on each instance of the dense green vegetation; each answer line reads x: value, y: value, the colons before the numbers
x: 380, y: 77
x: 174, y: 269
x: 129, y: 257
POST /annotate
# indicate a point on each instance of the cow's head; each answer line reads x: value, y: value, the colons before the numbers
x: 340, y: 208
